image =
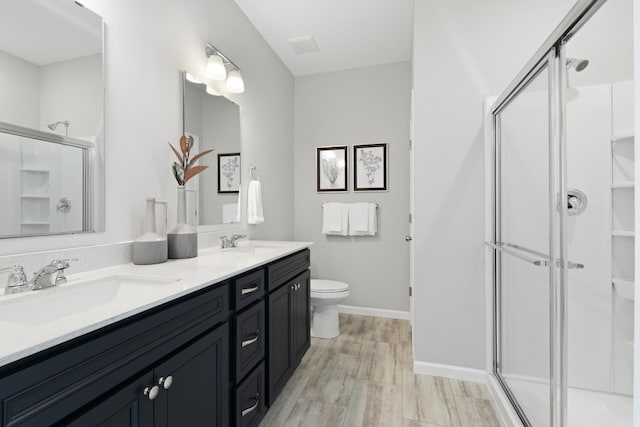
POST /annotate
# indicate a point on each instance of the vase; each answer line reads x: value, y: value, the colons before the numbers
x: 151, y: 247
x: 183, y: 237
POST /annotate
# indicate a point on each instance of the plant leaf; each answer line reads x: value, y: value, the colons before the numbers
x: 183, y: 145
x: 176, y: 152
x: 197, y: 156
x: 189, y: 143
x: 191, y: 172
x: 178, y: 173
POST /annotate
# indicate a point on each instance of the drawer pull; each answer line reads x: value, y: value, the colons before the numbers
x: 152, y: 392
x: 249, y: 290
x: 252, y: 340
x: 252, y: 408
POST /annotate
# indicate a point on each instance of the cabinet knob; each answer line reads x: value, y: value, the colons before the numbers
x: 293, y: 287
x: 152, y: 392
x: 165, y: 382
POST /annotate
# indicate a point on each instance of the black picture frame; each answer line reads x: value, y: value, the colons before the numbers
x: 332, y: 172
x: 229, y: 173
x: 370, y: 171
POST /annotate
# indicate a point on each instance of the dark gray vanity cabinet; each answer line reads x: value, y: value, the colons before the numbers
x: 288, y: 321
x: 101, y: 377
x: 189, y: 388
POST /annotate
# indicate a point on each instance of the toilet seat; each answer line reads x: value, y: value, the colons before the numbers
x: 328, y: 286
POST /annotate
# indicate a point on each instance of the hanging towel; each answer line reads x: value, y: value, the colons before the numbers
x: 229, y: 212
x: 254, y: 203
x: 335, y: 218
x: 358, y: 217
x: 239, y: 206
x: 356, y: 213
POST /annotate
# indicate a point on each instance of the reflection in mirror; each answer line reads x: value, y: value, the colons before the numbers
x: 51, y: 118
x: 48, y: 192
x: 214, y: 122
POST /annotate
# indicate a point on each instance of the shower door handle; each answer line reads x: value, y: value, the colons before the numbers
x: 545, y: 260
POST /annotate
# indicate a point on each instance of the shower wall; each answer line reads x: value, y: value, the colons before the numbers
x: 598, y: 319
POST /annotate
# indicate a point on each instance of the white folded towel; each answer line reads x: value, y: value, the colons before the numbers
x: 254, y: 202
x: 358, y: 217
x: 229, y: 213
x: 335, y: 218
x: 372, y: 220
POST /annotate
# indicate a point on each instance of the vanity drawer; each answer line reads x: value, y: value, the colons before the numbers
x: 248, y: 288
x: 281, y: 271
x: 249, y: 405
x: 249, y: 333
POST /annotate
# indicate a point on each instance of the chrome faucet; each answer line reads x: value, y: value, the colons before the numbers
x: 50, y: 275
x: 226, y: 242
x: 17, y: 280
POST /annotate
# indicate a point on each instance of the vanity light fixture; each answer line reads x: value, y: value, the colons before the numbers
x: 212, y: 91
x: 193, y: 79
x: 217, y: 69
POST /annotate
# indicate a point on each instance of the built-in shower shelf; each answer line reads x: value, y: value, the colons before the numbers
x: 626, y: 137
x: 624, y: 288
x: 34, y: 196
x: 35, y: 222
x: 621, y: 233
x: 623, y: 184
x: 35, y: 170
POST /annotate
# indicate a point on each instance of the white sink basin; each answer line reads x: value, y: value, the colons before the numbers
x: 42, y: 306
x: 251, y: 249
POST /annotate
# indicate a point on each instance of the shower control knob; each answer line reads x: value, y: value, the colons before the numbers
x: 408, y: 238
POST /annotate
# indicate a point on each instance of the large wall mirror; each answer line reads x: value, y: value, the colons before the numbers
x: 51, y: 118
x: 214, y: 122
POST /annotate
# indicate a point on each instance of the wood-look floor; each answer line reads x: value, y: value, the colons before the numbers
x: 364, y: 377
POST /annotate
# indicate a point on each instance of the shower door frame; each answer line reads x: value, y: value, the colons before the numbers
x: 550, y: 56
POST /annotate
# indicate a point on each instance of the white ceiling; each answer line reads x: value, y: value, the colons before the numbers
x: 48, y: 31
x: 349, y: 33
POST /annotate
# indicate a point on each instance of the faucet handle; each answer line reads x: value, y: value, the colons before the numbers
x: 61, y: 265
x: 238, y: 236
x: 17, y: 280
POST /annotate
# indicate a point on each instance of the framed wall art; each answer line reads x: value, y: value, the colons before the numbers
x: 331, y: 169
x: 370, y: 167
x: 229, y: 173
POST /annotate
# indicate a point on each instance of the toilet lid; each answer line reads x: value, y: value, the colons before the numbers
x: 328, y: 286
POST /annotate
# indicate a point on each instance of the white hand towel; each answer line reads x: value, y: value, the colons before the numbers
x: 239, y: 206
x: 372, y: 222
x: 358, y: 217
x: 335, y: 217
x: 254, y: 203
x: 229, y: 211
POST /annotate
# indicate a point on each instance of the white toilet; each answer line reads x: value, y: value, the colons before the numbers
x: 325, y: 296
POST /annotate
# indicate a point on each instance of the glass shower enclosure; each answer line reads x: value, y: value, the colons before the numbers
x: 562, y: 197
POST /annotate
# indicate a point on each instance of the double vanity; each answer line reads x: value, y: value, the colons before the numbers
x: 210, y: 340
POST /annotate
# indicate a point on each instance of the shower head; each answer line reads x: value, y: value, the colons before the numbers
x: 577, y: 64
x: 53, y: 126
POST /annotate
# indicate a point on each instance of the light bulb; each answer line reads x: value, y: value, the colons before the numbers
x: 212, y: 91
x: 215, y: 68
x: 235, y: 84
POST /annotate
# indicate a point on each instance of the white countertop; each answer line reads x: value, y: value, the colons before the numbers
x: 65, y: 319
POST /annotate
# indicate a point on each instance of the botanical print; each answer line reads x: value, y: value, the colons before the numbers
x: 331, y: 168
x: 370, y: 167
x: 371, y: 164
x: 229, y: 173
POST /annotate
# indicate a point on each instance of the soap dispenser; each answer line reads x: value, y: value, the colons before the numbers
x: 151, y: 247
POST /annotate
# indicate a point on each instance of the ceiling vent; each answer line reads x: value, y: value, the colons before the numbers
x: 306, y: 44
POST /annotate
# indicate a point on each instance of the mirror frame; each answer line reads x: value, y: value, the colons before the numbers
x: 211, y: 228
x: 93, y: 215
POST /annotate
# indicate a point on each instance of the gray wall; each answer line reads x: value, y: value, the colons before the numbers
x: 147, y: 44
x: 364, y: 105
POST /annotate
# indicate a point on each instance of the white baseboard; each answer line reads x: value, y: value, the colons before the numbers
x: 376, y: 312
x: 450, y: 371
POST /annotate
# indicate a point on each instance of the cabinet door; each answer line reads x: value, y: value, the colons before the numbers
x: 198, y: 390
x: 280, y: 352
x: 127, y: 407
x: 301, y: 317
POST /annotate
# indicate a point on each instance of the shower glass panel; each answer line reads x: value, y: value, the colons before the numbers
x: 522, y: 236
